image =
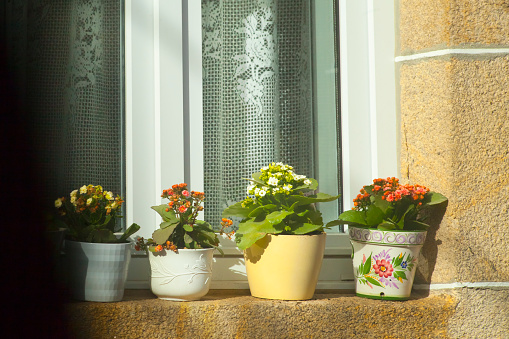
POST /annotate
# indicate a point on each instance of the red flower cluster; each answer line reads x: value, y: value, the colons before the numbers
x: 391, y: 191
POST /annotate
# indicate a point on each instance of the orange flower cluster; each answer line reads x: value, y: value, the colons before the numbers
x: 224, y: 224
x: 391, y: 191
x: 181, y: 199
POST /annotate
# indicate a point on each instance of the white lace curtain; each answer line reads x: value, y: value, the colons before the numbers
x: 257, y: 93
x: 67, y: 54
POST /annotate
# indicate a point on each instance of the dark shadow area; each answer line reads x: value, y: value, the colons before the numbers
x: 77, y: 274
x: 250, y: 255
x: 429, y: 251
x: 32, y: 305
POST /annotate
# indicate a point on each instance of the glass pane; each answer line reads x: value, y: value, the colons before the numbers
x: 68, y: 58
x: 257, y: 94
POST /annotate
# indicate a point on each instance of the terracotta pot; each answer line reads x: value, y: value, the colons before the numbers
x: 285, y: 267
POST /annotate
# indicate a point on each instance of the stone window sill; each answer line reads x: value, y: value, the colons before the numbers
x: 235, y: 314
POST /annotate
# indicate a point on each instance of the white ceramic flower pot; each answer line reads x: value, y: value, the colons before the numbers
x: 285, y: 267
x: 96, y: 271
x: 182, y: 276
x: 384, y: 262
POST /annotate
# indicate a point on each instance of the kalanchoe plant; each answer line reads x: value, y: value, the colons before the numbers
x: 387, y: 205
x: 91, y: 214
x: 279, y: 201
x: 180, y: 228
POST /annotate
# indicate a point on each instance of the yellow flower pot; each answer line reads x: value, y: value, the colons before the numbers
x: 285, y: 267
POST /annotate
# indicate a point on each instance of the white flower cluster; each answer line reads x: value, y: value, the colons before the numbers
x: 279, y: 179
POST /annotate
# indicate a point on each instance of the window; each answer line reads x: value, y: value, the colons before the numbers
x: 164, y: 120
x: 68, y: 63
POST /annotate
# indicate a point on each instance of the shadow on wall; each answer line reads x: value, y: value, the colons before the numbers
x: 429, y: 252
x: 32, y: 305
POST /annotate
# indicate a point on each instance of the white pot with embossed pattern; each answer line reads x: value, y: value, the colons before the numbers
x: 182, y: 276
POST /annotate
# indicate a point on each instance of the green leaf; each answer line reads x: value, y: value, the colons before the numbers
x: 367, y: 266
x: 130, y: 231
x: 433, y: 198
x: 256, y: 178
x: 313, y: 186
x: 353, y: 217
x: 373, y: 281
x: 252, y: 226
x: 161, y: 235
x: 387, y: 226
x: 306, y: 228
x: 188, y: 227
x: 319, y: 197
x: 188, y: 240
x: 333, y: 223
x: 256, y: 212
x: 401, y: 208
x: 165, y: 224
x: 103, y: 236
x: 246, y: 240
x: 166, y: 215
x: 382, y: 204
x: 374, y: 216
x: 277, y: 216
x: 414, y: 225
x: 236, y: 210
x: 408, y: 215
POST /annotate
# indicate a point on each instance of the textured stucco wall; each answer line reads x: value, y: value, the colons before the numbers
x: 454, y: 113
x: 455, y: 133
x: 434, y: 24
x: 455, y: 139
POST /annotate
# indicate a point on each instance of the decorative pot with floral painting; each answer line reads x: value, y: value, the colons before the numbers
x: 182, y: 276
x: 384, y: 262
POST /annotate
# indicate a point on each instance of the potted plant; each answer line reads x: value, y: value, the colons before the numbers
x: 181, y: 250
x: 387, y: 228
x: 281, y: 233
x: 97, y: 259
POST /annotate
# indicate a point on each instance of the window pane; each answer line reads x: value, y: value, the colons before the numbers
x: 257, y: 94
x: 68, y: 58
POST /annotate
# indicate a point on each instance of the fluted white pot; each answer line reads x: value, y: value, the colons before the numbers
x: 182, y: 276
x: 96, y: 271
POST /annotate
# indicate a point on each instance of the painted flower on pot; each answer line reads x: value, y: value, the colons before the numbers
x: 90, y: 214
x: 279, y: 201
x: 180, y: 227
x: 387, y: 205
x: 383, y: 270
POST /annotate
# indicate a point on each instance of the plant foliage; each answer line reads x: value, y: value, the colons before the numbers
x: 91, y: 214
x: 279, y: 202
x: 180, y: 227
x: 387, y: 205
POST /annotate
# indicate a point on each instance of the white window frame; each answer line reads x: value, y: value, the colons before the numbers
x: 163, y: 75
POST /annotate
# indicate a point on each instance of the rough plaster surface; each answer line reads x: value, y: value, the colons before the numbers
x: 455, y: 140
x: 480, y: 313
x: 226, y: 315
x: 432, y: 24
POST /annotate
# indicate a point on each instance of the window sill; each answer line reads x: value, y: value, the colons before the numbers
x: 234, y: 313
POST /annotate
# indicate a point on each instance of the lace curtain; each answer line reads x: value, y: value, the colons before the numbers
x: 67, y: 54
x: 257, y: 93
